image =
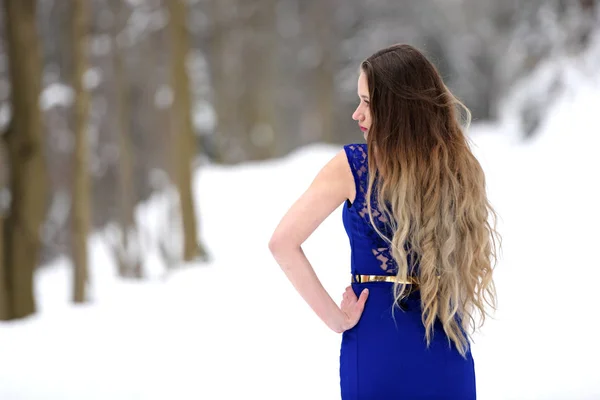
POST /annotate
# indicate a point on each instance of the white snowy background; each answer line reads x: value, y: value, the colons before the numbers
x: 234, y: 328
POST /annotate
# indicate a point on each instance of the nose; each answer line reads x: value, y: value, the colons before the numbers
x: 357, y: 115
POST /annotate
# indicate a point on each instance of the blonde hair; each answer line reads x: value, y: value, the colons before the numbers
x: 431, y: 190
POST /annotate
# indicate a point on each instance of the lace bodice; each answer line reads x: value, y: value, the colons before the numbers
x: 370, y: 253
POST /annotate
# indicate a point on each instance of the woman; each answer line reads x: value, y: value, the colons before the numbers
x: 422, y: 249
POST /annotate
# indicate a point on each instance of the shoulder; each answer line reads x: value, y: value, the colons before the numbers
x: 348, y: 164
x: 356, y: 154
x: 334, y: 179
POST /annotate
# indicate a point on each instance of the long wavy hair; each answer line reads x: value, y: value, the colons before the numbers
x: 431, y: 190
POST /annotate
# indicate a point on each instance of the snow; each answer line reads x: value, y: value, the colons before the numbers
x: 234, y: 327
x: 56, y: 94
x: 541, y: 344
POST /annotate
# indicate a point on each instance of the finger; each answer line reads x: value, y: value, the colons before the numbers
x: 363, y: 298
x: 346, y: 307
x: 351, y: 295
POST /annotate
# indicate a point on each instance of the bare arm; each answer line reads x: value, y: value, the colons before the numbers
x: 331, y: 187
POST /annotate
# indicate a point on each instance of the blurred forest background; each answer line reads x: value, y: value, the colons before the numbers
x: 105, y: 102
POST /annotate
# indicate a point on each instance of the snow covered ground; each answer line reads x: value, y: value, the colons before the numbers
x: 234, y: 327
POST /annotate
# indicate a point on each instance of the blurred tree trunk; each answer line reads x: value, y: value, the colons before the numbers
x: 162, y: 103
x: 185, y: 141
x: 81, y: 185
x: 162, y: 100
x: 127, y: 252
x: 226, y: 70
x: 258, y: 102
x: 320, y: 12
x: 4, y: 298
x: 26, y: 158
x: 217, y: 72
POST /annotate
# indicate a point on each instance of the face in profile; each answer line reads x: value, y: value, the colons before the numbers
x: 362, y: 114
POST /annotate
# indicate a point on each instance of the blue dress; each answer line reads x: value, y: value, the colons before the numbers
x: 385, y: 356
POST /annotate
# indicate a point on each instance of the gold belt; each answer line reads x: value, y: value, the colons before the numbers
x: 382, y: 278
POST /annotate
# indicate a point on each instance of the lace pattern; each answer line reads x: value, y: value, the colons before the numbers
x: 357, y: 157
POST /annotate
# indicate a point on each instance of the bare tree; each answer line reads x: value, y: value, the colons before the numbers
x: 258, y: 101
x: 25, y: 153
x: 127, y: 248
x: 184, y: 137
x: 226, y: 70
x: 4, y: 298
x: 319, y: 14
x: 81, y: 186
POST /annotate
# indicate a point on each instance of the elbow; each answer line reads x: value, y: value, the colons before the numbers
x: 279, y: 244
x: 275, y: 244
